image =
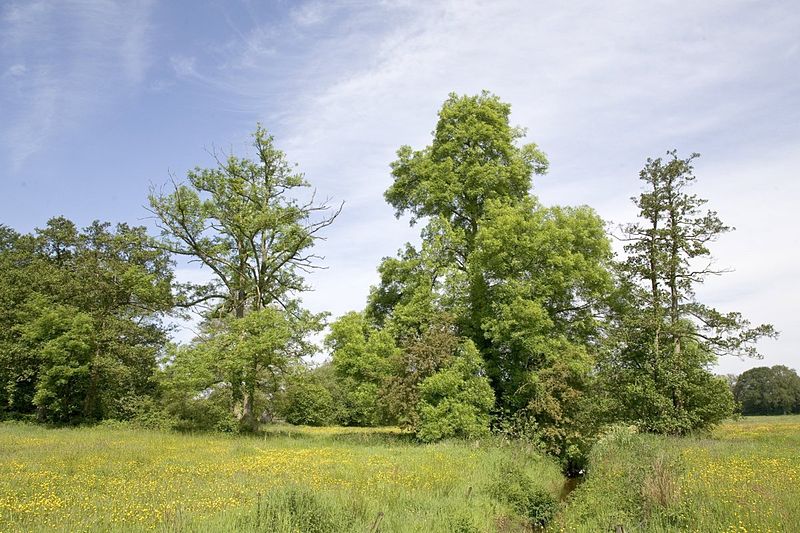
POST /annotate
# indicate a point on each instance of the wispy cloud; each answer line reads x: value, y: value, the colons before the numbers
x: 600, y: 86
x: 76, y: 55
x: 311, y: 13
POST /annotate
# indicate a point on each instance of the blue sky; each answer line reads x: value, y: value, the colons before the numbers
x: 99, y: 99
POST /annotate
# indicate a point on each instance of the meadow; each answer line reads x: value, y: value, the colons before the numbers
x: 742, y: 477
x: 329, y: 479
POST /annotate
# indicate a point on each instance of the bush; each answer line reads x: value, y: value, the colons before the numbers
x: 515, y: 488
x: 306, y: 402
x: 455, y: 401
x: 208, y: 412
x: 145, y: 412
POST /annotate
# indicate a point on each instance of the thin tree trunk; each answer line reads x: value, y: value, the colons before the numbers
x: 674, y: 311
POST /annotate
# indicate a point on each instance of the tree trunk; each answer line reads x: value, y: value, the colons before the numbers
x: 674, y: 310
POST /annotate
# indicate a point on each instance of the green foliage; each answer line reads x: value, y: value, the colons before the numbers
x: 422, y: 356
x: 239, y: 364
x: 456, y: 400
x: 551, y: 264
x: 662, y: 341
x: 473, y: 158
x: 526, y: 284
x: 361, y: 358
x: 359, y: 351
x: 81, y: 324
x: 407, y: 298
x: 148, y: 412
x: 305, y: 401
x: 514, y: 487
x: 634, y: 396
x: 768, y: 391
x: 244, y: 220
x: 561, y: 410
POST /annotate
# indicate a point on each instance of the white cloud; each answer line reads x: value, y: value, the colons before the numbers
x: 310, y: 13
x: 16, y: 70
x: 183, y: 66
x: 601, y: 86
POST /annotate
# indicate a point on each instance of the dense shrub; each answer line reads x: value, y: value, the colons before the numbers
x: 305, y: 401
x: 455, y: 401
x: 515, y: 488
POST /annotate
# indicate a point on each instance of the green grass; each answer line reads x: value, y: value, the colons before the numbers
x: 109, y: 478
x: 743, y: 477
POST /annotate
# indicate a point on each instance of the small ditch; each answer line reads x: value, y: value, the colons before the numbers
x: 570, y: 484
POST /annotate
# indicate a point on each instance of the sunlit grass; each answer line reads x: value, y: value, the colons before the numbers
x: 744, y: 477
x: 106, y: 478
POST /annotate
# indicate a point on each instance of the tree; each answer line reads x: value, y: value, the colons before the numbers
x: 361, y: 357
x: 473, y: 159
x: 456, y: 400
x: 83, y: 329
x: 665, y: 340
x: 240, y: 220
x: 523, y: 282
x: 244, y: 221
x: 768, y: 391
x: 545, y: 273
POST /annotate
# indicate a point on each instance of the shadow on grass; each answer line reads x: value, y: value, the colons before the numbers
x: 342, y: 435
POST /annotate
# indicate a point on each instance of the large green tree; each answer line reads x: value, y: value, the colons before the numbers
x: 523, y: 282
x: 82, y: 319
x: 664, y: 340
x: 768, y: 391
x: 253, y: 223
x: 475, y: 157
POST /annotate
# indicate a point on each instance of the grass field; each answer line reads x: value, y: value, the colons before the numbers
x: 743, y: 477
x: 336, y: 479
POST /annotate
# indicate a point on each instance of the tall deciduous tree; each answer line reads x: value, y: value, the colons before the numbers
x: 245, y: 221
x: 475, y: 157
x: 768, y: 391
x: 666, y: 338
x: 523, y: 282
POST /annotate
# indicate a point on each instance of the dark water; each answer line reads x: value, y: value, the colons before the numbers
x: 570, y: 484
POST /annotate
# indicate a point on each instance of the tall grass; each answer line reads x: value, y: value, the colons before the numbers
x: 743, y: 477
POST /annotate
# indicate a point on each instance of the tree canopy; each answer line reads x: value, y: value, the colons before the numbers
x: 768, y: 391
x: 81, y: 327
x: 245, y: 221
x: 664, y: 340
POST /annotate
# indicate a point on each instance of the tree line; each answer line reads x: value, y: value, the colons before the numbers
x: 767, y: 391
x: 509, y: 316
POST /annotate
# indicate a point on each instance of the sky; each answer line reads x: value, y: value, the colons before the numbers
x: 100, y: 100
